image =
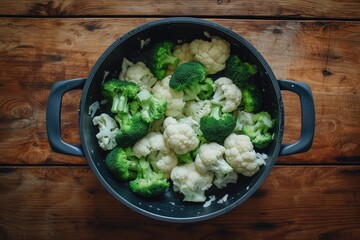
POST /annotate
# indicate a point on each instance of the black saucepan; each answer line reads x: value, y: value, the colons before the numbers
x: 170, y: 207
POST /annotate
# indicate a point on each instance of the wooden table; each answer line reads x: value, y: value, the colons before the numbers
x: 44, y: 195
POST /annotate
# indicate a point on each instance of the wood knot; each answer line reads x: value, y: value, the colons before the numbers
x: 326, y: 73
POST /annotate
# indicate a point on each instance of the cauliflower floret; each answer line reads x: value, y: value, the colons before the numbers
x: 183, y: 53
x: 191, y: 122
x: 211, y: 158
x: 160, y: 156
x: 243, y: 118
x: 241, y: 156
x: 212, y: 54
x: 137, y: 73
x: 179, y: 136
x: 108, y: 129
x: 197, y: 109
x: 221, y: 181
x: 191, y: 183
x: 227, y: 94
x: 175, y: 102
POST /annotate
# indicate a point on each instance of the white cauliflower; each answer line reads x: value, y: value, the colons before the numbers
x: 197, y: 109
x: 191, y: 122
x: 183, y: 53
x: 179, y: 136
x: 243, y: 118
x: 108, y: 129
x: 227, y: 94
x: 137, y: 73
x: 159, y: 155
x: 212, y: 54
x: 241, y: 155
x: 175, y: 102
x: 190, y: 182
x: 221, y: 181
x: 211, y: 158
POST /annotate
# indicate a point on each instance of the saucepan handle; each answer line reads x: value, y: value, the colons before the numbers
x: 53, y: 117
x: 307, y: 117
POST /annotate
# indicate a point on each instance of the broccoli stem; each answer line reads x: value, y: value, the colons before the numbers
x: 120, y: 104
x: 215, y: 111
x: 170, y: 59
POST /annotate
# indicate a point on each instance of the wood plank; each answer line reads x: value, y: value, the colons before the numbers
x: 316, y: 52
x: 293, y: 203
x: 222, y: 8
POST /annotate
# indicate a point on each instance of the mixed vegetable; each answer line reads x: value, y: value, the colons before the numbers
x: 190, y: 113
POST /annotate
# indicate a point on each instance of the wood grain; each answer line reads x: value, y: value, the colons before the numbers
x: 347, y: 9
x: 35, y: 52
x: 309, y: 202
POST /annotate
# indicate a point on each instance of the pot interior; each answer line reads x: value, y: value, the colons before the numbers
x: 170, y: 206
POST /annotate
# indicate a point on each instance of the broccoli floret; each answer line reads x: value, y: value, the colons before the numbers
x: 122, y: 163
x: 206, y: 89
x: 148, y: 183
x: 152, y: 108
x: 251, y: 98
x: 160, y: 57
x: 258, y: 133
x: 132, y: 129
x: 218, y: 125
x: 119, y: 92
x: 238, y: 71
x: 187, y: 75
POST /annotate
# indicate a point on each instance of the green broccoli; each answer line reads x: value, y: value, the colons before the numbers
x: 206, y: 89
x: 187, y: 75
x: 160, y: 57
x: 132, y: 129
x: 238, y: 71
x: 119, y: 92
x: 190, y: 77
x: 251, y: 98
x: 217, y: 126
x: 258, y: 133
x: 152, y: 108
x: 148, y: 183
x: 122, y: 163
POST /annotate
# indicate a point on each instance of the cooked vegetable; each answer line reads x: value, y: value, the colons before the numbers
x: 179, y: 136
x: 132, y: 129
x: 148, y: 183
x: 157, y: 153
x: 174, y: 99
x: 238, y: 71
x: 251, y: 98
x: 137, y: 73
x: 187, y: 76
x: 241, y: 155
x: 119, y: 92
x: 227, y: 94
x: 183, y: 53
x: 190, y: 182
x: 212, y: 55
x: 152, y: 108
x: 258, y: 132
x: 108, y: 129
x: 211, y: 158
x: 176, y: 123
x: 217, y: 126
x: 242, y: 118
x: 160, y: 57
x: 122, y: 163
